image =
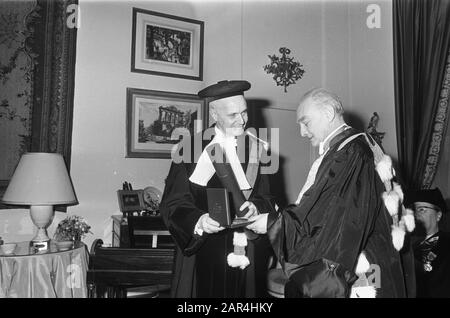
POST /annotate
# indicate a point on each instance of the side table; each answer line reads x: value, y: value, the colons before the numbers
x: 50, y: 274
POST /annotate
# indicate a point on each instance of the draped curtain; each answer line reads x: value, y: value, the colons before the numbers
x: 421, y: 48
x: 442, y: 177
x: 37, y: 76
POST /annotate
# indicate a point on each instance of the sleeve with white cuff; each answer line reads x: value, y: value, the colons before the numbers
x: 197, y: 229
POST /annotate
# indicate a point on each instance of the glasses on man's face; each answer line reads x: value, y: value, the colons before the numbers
x: 423, y: 209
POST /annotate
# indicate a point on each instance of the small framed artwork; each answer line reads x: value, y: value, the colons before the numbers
x: 167, y: 45
x: 157, y: 120
x: 131, y: 200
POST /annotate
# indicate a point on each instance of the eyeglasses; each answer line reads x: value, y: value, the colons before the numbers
x: 423, y: 209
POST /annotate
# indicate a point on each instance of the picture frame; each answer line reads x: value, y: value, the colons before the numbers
x: 131, y: 200
x: 167, y: 45
x: 156, y: 120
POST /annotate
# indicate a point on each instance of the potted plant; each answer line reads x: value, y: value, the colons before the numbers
x: 72, y: 229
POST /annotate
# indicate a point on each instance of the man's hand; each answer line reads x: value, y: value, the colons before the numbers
x: 252, y: 210
x: 259, y: 226
x: 207, y: 224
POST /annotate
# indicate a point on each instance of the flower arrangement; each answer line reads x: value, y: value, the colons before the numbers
x: 72, y: 228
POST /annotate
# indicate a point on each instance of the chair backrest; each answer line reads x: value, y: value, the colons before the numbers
x: 125, y: 267
x: 148, y: 231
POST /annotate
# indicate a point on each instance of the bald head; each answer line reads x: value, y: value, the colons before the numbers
x: 318, y: 114
x: 321, y: 97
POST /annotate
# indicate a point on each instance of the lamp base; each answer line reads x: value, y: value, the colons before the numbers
x: 41, y: 235
x: 40, y: 246
x: 42, y: 217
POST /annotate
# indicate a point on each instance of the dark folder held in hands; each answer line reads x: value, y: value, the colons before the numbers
x: 219, y: 208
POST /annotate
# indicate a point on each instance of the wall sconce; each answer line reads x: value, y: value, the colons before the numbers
x: 41, y: 181
x: 284, y: 69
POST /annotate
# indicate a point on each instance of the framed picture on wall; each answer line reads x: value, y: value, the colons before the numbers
x: 167, y: 45
x: 156, y: 121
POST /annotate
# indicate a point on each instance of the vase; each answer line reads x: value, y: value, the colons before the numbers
x: 64, y: 245
x: 76, y: 239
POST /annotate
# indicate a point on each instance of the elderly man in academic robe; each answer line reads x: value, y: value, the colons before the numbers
x: 203, y: 267
x: 339, y: 217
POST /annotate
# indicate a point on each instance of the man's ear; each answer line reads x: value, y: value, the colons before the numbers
x: 329, y: 112
x: 439, y: 216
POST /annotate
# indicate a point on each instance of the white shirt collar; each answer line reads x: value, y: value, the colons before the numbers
x: 222, y: 138
x: 328, y: 138
x: 428, y: 236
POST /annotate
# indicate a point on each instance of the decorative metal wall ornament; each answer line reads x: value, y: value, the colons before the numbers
x: 372, y: 129
x: 285, y: 70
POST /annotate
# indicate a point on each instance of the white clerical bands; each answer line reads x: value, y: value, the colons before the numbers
x: 204, y: 169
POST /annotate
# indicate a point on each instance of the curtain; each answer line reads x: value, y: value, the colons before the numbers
x: 421, y: 45
x: 442, y: 177
x: 37, y: 80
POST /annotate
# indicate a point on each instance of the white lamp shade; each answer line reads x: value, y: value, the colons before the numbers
x: 40, y: 179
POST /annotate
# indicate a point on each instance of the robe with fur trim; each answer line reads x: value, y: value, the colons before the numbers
x: 342, y: 214
x: 201, y: 268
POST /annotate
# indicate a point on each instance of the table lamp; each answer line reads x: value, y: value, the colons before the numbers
x: 41, y: 181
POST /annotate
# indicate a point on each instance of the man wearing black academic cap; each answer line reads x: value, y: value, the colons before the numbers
x: 203, y: 267
x: 432, y: 249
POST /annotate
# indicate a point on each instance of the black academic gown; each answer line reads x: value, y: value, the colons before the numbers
x: 201, y: 268
x: 338, y: 217
x: 432, y: 261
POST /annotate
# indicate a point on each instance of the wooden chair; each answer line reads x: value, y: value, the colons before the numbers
x: 148, y: 231
x: 276, y: 279
x: 124, y: 272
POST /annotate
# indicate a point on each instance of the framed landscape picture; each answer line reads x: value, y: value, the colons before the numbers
x: 156, y: 120
x: 167, y: 45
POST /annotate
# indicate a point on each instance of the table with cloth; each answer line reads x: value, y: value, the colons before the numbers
x: 51, y: 274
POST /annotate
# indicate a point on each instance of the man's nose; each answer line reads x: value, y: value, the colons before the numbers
x: 303, y: 131
x: 241, y: 119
